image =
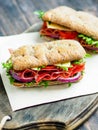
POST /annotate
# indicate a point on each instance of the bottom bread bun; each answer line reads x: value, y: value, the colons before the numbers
x: 45, y: 84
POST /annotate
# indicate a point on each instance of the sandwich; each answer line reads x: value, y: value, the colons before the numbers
x: 45, y: 64
x: 66, y: 23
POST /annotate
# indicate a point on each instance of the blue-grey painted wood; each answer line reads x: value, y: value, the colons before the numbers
x: 15, y: 17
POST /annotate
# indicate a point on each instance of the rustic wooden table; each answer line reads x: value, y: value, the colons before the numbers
x: 17, y: 15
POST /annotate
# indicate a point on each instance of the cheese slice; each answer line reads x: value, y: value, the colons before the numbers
x: 64, y: 65
x: 61, y: 65
x: 56, y: 26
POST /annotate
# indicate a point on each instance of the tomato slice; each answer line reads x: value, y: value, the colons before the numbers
x: 77, y: 68
x: 68, y: 34
x: 49, y: 68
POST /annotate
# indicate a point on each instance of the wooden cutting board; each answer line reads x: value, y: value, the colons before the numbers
x: 64, y: 114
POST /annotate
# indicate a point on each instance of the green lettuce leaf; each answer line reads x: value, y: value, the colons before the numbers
x: 39, y: 13
x: 89, y: 40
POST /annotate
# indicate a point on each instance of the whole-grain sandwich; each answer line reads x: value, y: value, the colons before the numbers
x: 66, y: 23
x: 45, y: 64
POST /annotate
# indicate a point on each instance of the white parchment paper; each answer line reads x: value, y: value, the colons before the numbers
x: 25, y: 97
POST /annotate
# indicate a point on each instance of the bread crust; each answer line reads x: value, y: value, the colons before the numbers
x: 79, y: 21
x: 47, y: 53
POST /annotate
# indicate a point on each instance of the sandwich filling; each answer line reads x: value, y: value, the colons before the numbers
x: 66, y: 72
x: 56, y: 31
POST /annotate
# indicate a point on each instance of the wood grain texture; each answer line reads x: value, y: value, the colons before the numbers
x: 15, y: 17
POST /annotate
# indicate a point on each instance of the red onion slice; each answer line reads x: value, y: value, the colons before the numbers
x: 71, y: 79
x: 21, y: 78
x: 91, y: 48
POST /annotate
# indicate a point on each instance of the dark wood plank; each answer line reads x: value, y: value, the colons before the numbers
x: 17, y: 15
